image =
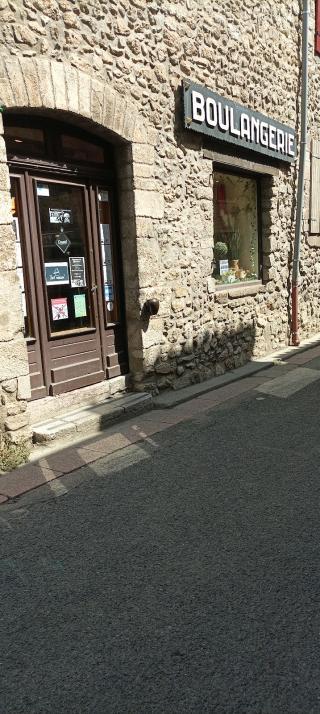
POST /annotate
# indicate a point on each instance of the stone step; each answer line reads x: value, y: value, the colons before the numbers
x: 92, y: 419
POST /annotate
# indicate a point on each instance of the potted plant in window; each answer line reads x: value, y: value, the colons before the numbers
x: 234, y: 247
x: 220, y: 251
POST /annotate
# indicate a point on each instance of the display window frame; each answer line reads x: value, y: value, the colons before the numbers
x: 224, y: 169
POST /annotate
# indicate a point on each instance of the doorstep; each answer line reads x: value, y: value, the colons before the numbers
x: 89, y: 420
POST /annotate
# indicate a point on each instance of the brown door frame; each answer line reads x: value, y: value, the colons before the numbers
x: 112, y: 336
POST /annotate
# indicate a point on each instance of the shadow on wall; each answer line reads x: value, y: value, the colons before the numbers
x: 194, y: 358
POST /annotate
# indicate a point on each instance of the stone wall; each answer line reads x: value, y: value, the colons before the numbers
x: 140, y: 50
x: 14, y: 379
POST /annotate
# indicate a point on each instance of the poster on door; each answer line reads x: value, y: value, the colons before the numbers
x: 56, y: 273
x: 60, y: 215
x: 77, y: 272
x: 59, y: 307
x: 80, y: 307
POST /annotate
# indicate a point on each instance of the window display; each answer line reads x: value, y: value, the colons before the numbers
x: 235, y: 252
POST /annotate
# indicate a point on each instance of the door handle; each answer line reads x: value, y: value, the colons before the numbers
x: 94, y: 288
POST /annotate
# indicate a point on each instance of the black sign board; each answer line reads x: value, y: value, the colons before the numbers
x: 77, y: 272
x: 209, y: 113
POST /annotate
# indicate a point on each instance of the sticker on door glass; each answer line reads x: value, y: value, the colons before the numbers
x: 59, y: 307
x: 77, y: 272
x: 80, y: 307
x: 105, y: 233
x: 62, y: 241
x: 56, y: 273
x: 43, y: 189
x: 108, y: 292
x: 60, y: 215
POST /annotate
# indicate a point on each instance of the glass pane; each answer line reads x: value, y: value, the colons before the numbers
x: 62, y: 217
x: 76, y: 149
x: 16, y: 217
x: 107, y: 257
x: 235, y: 229
x: 24, y: 141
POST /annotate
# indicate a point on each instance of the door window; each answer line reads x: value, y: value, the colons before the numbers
x: 107, y: 261
x: 65, y: 256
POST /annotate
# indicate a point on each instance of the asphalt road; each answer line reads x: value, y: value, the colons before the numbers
x: 180, y: 577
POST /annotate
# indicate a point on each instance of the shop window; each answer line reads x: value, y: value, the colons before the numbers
x: 317, y: 28
x: 236, y: 254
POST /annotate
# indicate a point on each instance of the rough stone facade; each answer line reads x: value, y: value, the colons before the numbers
x: 117, y: 65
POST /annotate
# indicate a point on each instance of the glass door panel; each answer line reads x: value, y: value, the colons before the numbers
x: 65, y: 256
x: 108, y: 272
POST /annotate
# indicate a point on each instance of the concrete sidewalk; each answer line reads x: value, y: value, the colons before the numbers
x: 47, y: 464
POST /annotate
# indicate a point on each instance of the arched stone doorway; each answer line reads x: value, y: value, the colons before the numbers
x: 40, y: 86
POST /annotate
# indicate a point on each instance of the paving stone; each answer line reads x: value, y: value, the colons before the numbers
x: 67, y: 460
x: 26, y: 478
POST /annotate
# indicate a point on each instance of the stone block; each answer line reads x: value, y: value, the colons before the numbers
x: 129, y: 124
x: 143, y: 171
x: 30, y: 75
x: 108, y: 107
x: 149, y: 262
x: 10, y: 306
x: 140, y: 134
x: 221, y: 297
x: 153, y: 335
x: 20, y: 98
x: 152, y: 135
x: 59, y: 85
x: 144, y: 227
x: 14, y: 423
x: 4, y: 179
x: 19, y: 436
x: 24, y: 388
x: 5, y: 208
x: 142, y: 154
x: 146, y: 184
x: 149, y: 204
x: 13, y: 358
x: 84, y: 94
x: 120, y: 111
x: 211, y: 285
x: 8, y: 251
x: 71, y: 75
x: 45, y: 82
x: 10, y: 386
x: 6, y: 94
x: 97, y: 98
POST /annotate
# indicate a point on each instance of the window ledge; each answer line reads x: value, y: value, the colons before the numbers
x: 232, y: 292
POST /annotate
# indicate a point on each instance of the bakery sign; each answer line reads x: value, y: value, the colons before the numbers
x: 209, y: 113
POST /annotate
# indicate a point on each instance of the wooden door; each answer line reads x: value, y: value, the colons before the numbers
x: 70, y: 283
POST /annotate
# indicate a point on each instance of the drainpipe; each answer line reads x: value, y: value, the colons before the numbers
x: 300, y: 190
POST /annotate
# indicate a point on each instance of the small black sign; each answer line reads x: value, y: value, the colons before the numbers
x: 77, y: 272
x: 63, y: 242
